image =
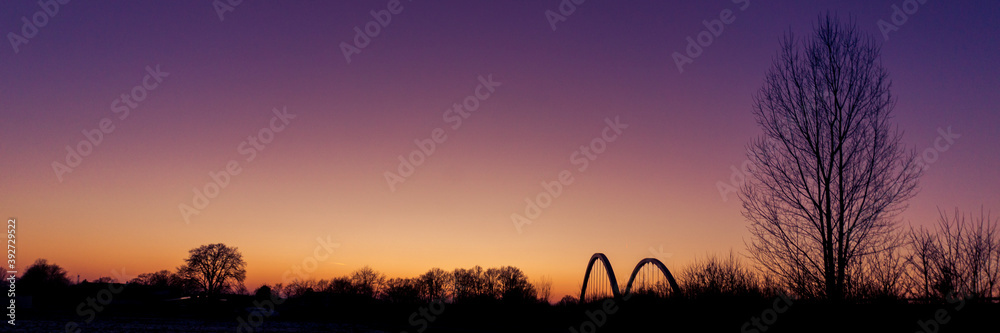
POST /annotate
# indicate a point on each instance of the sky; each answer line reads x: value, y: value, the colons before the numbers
x: 203, y: 91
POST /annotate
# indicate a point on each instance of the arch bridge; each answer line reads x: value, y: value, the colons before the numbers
x: 649, y: 271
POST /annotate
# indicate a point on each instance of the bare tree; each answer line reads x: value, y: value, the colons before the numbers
x: 962, y: 257
x: 922, y: 246
x: 514, y: 285
x: 435, y: 284
x: 830, y: 174
x: 568, y: 300
x: 105, y: 280
x: 42, y: 278
x: 299, y: 287
x: 467, y: 283
x: 368, y: 281
x: 544, y: 287
x: 165, y: 279
x: 720, y: 276
x: 157, y: 279
x: 401, y: 290
x: 215, y: 268
x: 982, y: 255
x: 884, y: 275
x: 491, y: 287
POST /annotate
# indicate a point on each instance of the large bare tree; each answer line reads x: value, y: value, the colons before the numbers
x: 830, y: 174
x: 215, y: 267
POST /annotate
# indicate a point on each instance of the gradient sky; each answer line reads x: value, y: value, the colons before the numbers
x: 653, y: 188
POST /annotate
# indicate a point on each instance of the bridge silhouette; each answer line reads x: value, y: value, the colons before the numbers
x: 612, y: 280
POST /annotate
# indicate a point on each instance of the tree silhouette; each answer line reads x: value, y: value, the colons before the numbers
x: 514, y: 285
x: 568, y: 300
x: 468, y: 284
x: 830, y: 173
x: 105, y: 280
x: 298, y: 287
x: 155, y: 279
x: 263, y: 293
x: 402, y: 290
x: 434, y: 284
x: 544, y: 287
x: 215, y: 268
x: 42, y: 277
x: 962, y: 257
x: 720, y: 277
x: 368, y: 282
x: 491, y: 287
x: 342, y: 285
x: 882, y: 275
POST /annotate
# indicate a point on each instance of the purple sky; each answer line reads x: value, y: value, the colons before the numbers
x: 324, y: 175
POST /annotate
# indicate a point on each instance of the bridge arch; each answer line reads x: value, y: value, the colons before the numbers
x: 607, y: 267
x: 659, y: 264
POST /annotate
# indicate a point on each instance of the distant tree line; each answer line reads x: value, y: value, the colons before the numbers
x: 960, y: 255
x: 508, y: 284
